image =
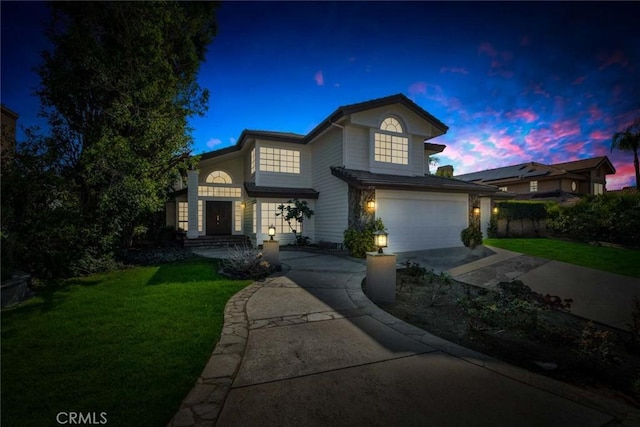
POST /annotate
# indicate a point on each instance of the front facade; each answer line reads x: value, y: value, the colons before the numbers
x: 366, y: 160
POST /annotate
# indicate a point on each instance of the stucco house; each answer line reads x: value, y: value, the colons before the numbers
x: 364, y: 160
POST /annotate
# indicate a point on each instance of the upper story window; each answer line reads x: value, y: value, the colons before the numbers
x: 389, y: 145
x: 533, y: 186
x: 219, y: 177
x: 253, y: 160
x: 279, y: 160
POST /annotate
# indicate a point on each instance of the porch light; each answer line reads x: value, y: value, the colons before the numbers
x: 380, y: 240
x: 495, y: 210
x: 476, y: 210
x: 272, y: 231
x: 243, y: 205
x: 371, y: 205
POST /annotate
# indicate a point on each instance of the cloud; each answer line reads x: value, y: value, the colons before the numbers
x: 319, y: 78
x: 624, y: 177
x: 609, y: 59
x: 579, y: 80
x: 232, y: 140
x: 599, y: 135
x: 526, y: 115
x: 213, y: 142
x: 500, y: 60
x: 458, y: 70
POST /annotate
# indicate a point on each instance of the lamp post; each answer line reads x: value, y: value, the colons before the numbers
x: 381, y: 271
x: 380, y: 240
x: 272, y: 248
x: 272, y: 231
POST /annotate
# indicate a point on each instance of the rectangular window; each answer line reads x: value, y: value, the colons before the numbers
x: 391, y: 149
x: 598, y: 188
x: 253, y: 160
x: 502, y: 188
x: 255, y: 218
x: 183, y: 215
x: 268, y: 217
x: 200, y: 215
x: 208, y: 191
x: 279, y: 160
x: 533, y: 186
x: 238, y: 216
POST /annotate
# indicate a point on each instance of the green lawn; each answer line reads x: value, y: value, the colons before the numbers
x: 615, y: 260
x: 129, y: 343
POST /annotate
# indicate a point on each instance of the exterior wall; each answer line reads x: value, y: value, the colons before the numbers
x: 356, y: 148
x: 171, y: 215
x: 234, y: 167
x: 278, y: 179
x: 331, y: 208
x: 412, y: 123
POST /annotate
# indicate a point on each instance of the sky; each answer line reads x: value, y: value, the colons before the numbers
x: 515, y: 82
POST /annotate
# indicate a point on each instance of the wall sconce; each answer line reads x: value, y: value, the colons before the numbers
x: 495, y: 210
x: 380, y: 240
x: 371, y: 204
x: 272, y: 231
x: 243, y: 205
x: 476, y: 210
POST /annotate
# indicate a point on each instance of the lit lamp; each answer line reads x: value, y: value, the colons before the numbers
x: 495, y: 210
x: 272, y: 231
x: 476, y: 210
x: 380, y: 240
x: 371, y: 205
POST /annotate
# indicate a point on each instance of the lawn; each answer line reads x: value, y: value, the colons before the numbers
x: 129, y: 343
x: 615, y: 260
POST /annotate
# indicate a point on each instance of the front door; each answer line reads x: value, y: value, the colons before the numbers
x: 218, y: 218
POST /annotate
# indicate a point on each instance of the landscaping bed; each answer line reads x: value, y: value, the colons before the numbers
x: 523, y: 328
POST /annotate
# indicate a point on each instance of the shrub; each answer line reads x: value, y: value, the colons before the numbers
x: 471, y: 237
x: 595, y: 345
x: 492, y: 229
x: 360, y: 241
x: 437, y: 285
x: 246, y: 263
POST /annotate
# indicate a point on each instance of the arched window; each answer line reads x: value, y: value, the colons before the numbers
x: 391, y: 125
x: 219, y: 177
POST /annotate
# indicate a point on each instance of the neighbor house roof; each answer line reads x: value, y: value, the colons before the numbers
x: 338, y: 114
x: 537, y: 170
x: 254, y: 190
x: 368, y: 181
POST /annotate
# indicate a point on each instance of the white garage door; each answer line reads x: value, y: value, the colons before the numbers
x: 419, y: 220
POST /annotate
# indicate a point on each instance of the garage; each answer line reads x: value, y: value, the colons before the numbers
x: 418, y: 220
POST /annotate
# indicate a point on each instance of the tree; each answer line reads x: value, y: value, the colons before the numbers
x: 117, y: 88
x: 629, y: 140
x: 298, y: 212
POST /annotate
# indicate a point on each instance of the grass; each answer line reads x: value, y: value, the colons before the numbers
x: 129, y: 343
x: 615, y: 260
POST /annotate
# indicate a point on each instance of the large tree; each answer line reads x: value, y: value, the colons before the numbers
x: 629, y: 140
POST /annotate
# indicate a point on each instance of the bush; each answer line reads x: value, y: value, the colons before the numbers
x: 437, y: 285
x: 359, y: 242
x: 246, y: 263
x: 471, y: 237
x: 596, y: 346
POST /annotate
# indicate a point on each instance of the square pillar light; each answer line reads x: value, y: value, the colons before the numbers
x: 380, y: 240
x: 272, y: 231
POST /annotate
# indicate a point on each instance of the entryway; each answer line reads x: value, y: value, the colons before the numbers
x: 218, y: 218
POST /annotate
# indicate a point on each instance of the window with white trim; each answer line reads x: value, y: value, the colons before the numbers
x: 533, y: 186
x: 183, y: 215
x: 598, y: 188
x: 206, y: 191
x: 279, y: 160
x: 255, y: 218
x: 219, y: 177
x: 268, y: 217
x: 253, y: 160
x: 238, y: 216
x: 502, y: 188
x: 390, y: 148
x: 200, y: 215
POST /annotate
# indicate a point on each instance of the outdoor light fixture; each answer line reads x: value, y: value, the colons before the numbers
x: 371, y: 204
x: 476, y: 210
x: 272, y: 231
x: 380, y: 240
x: 495, y: 210
x: 243, y: 205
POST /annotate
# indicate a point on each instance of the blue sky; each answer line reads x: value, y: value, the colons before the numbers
x: 515, y: 82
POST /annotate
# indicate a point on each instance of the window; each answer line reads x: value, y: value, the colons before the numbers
x: 183, y: 215
x: 200, y: 215
x: 268, y: 217
x: 238, y: 215
x: 219, y: 177
x: 255, y: 219
x: 598, y: 188
x: 533, y: 186
x: 390, y: 148
x: 502, y: 188
x: 253, y: 160
x: 279, y: 160
x: 206, y: 191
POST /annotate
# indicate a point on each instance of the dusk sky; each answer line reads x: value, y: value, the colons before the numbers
x: 515, y: 82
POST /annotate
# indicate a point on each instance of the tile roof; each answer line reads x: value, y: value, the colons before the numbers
x: 254, y: 190
x: 368, y: 180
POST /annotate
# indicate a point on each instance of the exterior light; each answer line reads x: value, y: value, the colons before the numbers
x: 272, y: 231
x: 371, y: 204
x: 243, y: 205
x: 380, y: 240
x: 495, y: 210
x: 476, y: 210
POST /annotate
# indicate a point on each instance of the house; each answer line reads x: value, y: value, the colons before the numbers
x: 365, y: 160
x: 559, y: 181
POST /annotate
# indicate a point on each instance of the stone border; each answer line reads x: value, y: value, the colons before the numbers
x: 202, y: 405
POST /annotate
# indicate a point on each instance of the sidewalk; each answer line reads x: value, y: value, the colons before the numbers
x: 315, y: 351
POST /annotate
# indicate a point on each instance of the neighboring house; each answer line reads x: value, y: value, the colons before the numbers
x: 560, y: 181
x: 370, y: 153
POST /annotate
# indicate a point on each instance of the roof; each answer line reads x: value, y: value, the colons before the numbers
x: 254, y: 190
x: 369, y: 181
x: 6, y: 110
x: 537, y: 170
x: 338, y: 114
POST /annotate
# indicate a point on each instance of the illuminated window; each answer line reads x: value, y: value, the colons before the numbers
x: 253, y: 160
x: 238, y: 215
x: 268, y: 217
x: 279, y: 160
x: 219, y: 177
x: 183, y: 216
x: 502, y: 188
x: 390, y: 148
x: 200, y: 215
x: 533, y: 186
x: 598, y: 188
x: 206, y: 191
x: 255, y: 218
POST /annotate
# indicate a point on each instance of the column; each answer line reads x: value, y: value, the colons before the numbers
x: 192, y: 199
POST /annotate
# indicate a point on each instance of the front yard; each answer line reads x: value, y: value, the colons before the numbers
x: 615, y: 260
x: 129, y: 344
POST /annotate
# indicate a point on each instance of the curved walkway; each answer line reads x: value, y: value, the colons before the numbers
x: 307, y: 347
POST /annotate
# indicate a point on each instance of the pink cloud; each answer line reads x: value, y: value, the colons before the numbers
x: 499, y: 60
x: 435, y: 93
x: 457, y: 70
x: 617, y: 57
x: 528, y: 116
x: 625, y: 176
x: 319, y: 78
x: 418, y: 88
x: 536, y: 89
x: 599, y: 135
x: 595, y: 114
x: 579, y: 80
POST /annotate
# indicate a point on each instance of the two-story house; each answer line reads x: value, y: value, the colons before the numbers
x: 365, y: 160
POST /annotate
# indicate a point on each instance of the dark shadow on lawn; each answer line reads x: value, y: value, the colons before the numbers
x: 194, y: 270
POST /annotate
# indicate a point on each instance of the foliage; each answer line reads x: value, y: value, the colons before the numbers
x: 246, y: 263
x: 595, y: 345
x: 471, y: 236
x: 629, y: 140
x: 298, y: 212
x: 518, y: 210
x: 131, y: 343
x: 359, y: 241
x: 437, y: 285
x: 492, y: 229
x: 609, y: 217
x: 117, y: 88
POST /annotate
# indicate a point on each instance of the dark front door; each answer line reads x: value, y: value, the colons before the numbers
x: 218, y: 218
